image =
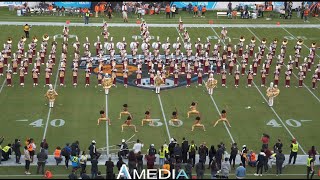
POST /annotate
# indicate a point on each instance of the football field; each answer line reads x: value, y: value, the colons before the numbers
x: 295, y: 114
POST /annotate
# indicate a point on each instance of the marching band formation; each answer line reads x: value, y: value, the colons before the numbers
x: 175, y: 62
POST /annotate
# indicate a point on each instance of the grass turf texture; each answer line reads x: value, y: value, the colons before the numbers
x: 79, y: 107
x: 159, y: 19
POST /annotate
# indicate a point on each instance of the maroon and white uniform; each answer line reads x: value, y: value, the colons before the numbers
x: 200, y: 77
x: 251, y: 47
x: 243, y: 67
x: 35, y: 76
x: 21, y: 75
x: 267, y: 67
x: 218, y: 62
x: 1, y: 66
x: 139, y: 77
x: 229, y: 49
x: 152, y: 71
x: 236, y: 78
x: 301, y: 77
x: 183, y: 67
x: 14, y: 64
x: 314, y: 80
x: 9, y: 78
x: 297, y: 58
x: 246, y: 57
x: 189, y: 76
x: 276, y: 78
x: 30, y: 56
x: 255, y: 66
x: 42, y: 56
x: 75, y: 76
x: 195, y: 67
x: 250, y: 77
x: 61, y: 76
x: 99, y: 77
x: 47, y: 76
x: 206, y: 66
x: 114, y: 76
x: 171, y: 67
x: 25, y: 65
x: 223, y: 77
x: 263, y: 77
x: 87, y: 74
x: 240, y: 49
x: 288, y: 78
x: 125, y: 77
x: 231, y: 65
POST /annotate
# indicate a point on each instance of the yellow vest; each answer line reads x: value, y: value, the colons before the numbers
x: 6, y: 149
x: 295, y: 147
x: 309, y: 162
x: 74, y: 159
x: 162, y: 153
x: 87, y: 14
x: 166, y: 149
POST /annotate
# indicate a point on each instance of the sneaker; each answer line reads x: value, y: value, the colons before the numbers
x: 256, y: 174
x: 260, y: 174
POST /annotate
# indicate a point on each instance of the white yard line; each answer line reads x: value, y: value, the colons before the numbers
x: 297, y: 39
x: 316, y: 97
x: 300, y: 146
x: 164, y: 117
x: 50, y: 109
x: 4, y: 81
x: 107, y: 127
x: 214, y: 103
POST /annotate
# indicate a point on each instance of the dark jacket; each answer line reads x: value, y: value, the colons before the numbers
x: 219, y: 153
x: 261, y: 158
x: 185, y: 146
x: 84, y: 176
x: 280, y: 158
x: 109, y: 166
x: 72, y: 176
x: 177, y: 151
x: 94, y: 165
x: 42, y: 156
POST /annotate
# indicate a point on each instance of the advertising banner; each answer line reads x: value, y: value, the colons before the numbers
x: 5, y: 4
x: 66, y: 4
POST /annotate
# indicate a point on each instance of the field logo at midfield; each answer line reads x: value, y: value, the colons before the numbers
x: 156, y: 123
x: 107, y: 69
x: 289, y: 122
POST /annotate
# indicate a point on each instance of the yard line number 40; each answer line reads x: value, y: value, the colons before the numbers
x: 54, y: 123
x: 289, y: 122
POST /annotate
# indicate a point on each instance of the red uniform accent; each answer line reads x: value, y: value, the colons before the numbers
x: 149, y: 67
x: 176, y: 81
x: 297, y: 64
x: 313, y: 85
x: 54, y: 60
x: 21, y: 79
x: 34, y: 52
x: 97, y: 52
x: 99, y: 81
x: 14, y: 69
x: 240, y: 52
x: 263, y: 81
x: 125, y: 81
x: 262, y: 52
x: 300, y: 82
x: 236, y: 81
x: 183, y: 69
x: 42, y: 60
x: 255, y: 69
x: 230, y: 69
x: 160, y: 68
x: 199, y: 80
x: 251, y: 53
x: 1, y: 70
x: 243, y: 70
x: 171, y: 70
x: 61, y: 80
x: 195, y: 70
x: 309, y: 65
x: 229, y: 53
x: 247, y: 60
x: 38, y: 67
x: 19, y: 60
x: 114, y: 81
x: 206, y: 69
x: 87, y: 80
x: 276, y: 82
x: 8, y: 81
x: 75, y: 79
x: 223, y: 81
x: 139, y: 81
x: 91, y: 69
x: 5, y: 60
x: 218, y: 70
x: 9, y: 54
x: 249, y: 81
x: 30, y: 60
x: 35, y: 80
x: 267, y: 70
x: 287, y: 82
x: 151, y: 81
x: 47, y: 80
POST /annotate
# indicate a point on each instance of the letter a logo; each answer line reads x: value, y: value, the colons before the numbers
x: 124, y: 173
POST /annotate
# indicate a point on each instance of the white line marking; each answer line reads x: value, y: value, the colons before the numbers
x: 130, y: 138
x: 4, y: 81
x: 292, y: 71
x: 107, y: 127
x: 305, y: 120
x: 272, y: 107
x: 22, y: 120
x: 297, y: 39
x: 164, y: 117
x: 49, y: 113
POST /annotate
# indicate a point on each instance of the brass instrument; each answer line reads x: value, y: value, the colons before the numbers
x: 211, y: 83
x: 107, y: 83
x: 51, y: 95
x: 158, y: 80
x: 273, y: 92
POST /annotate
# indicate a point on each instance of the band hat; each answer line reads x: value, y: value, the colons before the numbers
x: 9, y: 40
x: 35, y: 39
x: 285, y: 41
x: 275, y: 40
x: 242, y: 39
x: 264, y: 40
x: 313, y: 44
x: 253, y: 40
x: 300, y: 42
x: 23, y: 39
x: 45, y: 37
x: 93, y: 141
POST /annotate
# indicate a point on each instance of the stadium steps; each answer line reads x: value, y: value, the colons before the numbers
x: 301, y: 160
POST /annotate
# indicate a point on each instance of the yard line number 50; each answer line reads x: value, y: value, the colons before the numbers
x: 54, y: 123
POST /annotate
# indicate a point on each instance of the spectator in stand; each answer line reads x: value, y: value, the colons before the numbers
x: 240, y: 172
x: 214, y: 169
x: 57, y: 155
x: 200, y: 11
x: 27, y: 159
x: 252, y: 159
x: 277, y: 146
x: 139, y: 162
x: 280, y: 158
x: 42, y: 158
x: 189, y: 8
x: 313, y: 152
x: 185, y: 148
x: 200, y: 169
x: 16, y: 149
x: 167, y: 11
x: 173, y: 11
x: 225, y: 168
x: 265, y: 140
x: 212, y: 154
x: 204, y: 10
x: 260, y: 162
x: 109, y: 169
x: 195, y: 11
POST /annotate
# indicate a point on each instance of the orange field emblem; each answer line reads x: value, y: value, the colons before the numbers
x: 107, y: 69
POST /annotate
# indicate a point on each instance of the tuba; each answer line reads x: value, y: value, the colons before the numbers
x: 273, y: 92
x: 107, y: 83
x: 211, y: 83
x: 158, y: 81
x: 133, y: 45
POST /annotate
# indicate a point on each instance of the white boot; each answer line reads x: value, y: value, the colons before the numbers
x: 106, y: 91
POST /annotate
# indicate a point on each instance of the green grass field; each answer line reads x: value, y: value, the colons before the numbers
x: 79, y: 107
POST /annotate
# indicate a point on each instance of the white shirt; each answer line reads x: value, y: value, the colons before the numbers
x: 137, y: 147
x: 124, y: 8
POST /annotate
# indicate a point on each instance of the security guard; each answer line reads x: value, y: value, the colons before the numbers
x: 192, y: 152
x: 86, y: 17
x: 310, y: 166
x: 26, y: 29
x: 6, y: 152
x: 294, y: 151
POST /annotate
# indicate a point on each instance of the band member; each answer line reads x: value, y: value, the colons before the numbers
x: 35, y: 75
x: 251, y: 46
x: 14, y: 63
x: 262, y: 46
x: 236, y: 77
x: 125, y: 77
x: 38, y: 63
x: 127, y: 123
x: 30, y: 55
x: 75, y: 76
x: 158, y: 82
x: 164, y: 75
x: 276, y: 77
x: 250, y: 76
x: 147, y: 119
x: 200, y: 77
x: 9, y: 76
x: 124, y: 111
x: 189, y: 76
x: 211, y: 84
x: 42, y: 56
x: 183, y: 66
x: 240, y: 44
x: 176, y: 75
x: 300, y: 77
x: 107, y: 83
x: 21, y: 74
x: 272, y: 92
x: 243, y: 67
x: 273, y: 46
x: 99, y: 77
x: 288, y: 76
x: 139, y: 76
x: 263, y: 75
x: 51, y: 96
x: 19, y: 56
x: 25, y: 65
x: 255, y: 66
x: 196, y: 66
x: 47, y: 75
x: 87, y: 74
x: 180, y: 25
x: 174, y: 119
x: 207, y: 46
x: 268, y: 64
x: 218, y: 65
x: 152, y: 71
x: 97, y: 45
x: 9, y: 46
x: 103, y: 118
x: 284, y: 46
x: 114, y: 76
x: 246, y: 56
x: 193, y: 109
x: 186, y: 36
x: 197, y: 123
x: 224, y: 33
x: 223, y: 77
x: 231, y: 64
x: 1, y: 66
x: 229, y: 50
x: 223, y: 118
x: 314, y: 80
x: 61, y: 76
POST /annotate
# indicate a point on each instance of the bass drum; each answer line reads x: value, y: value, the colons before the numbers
x: 155, y: 45
x: 143, y: 46
x: 133, y: 45
x: 175, y: 45
x: 107, y: 46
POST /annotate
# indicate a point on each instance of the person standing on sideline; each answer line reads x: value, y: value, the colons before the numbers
x: 17, y: 151
x: 188, y: 168
x: 240, y: 172
x: 86, y: 17
x: 44, y: 145
x: 200, y: 168
x: 42, y: 157
x: 214, y: 169
x: 185, y: 148
x: 173, y: 11
x: 167, y: 11
x: 212, y: 154
x: 94, y: 167
x: 162, y: 155
x: 294, y: 151
x: 83, y: 161
x: 96, y: 9
x: 310, y: 166
x: 139, y: 162
x: 137, y: 147
x: 66, y: 151
x: 313, y: 152
x: 27, y: 159
x: 233, y: 154
x: 306, y: 13
x: 109, y: 168
x: 225, y: 168
x: 124, y: 12
x: 260, y: 162
x: 280, y: 158
x: 26, y: 29
x: 57, y: 155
